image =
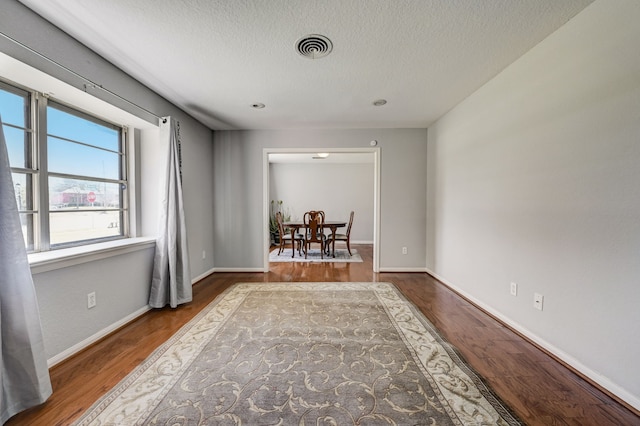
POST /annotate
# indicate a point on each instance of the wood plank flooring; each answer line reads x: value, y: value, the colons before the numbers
x: 540, y: 390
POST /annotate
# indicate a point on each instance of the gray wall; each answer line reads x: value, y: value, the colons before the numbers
x: 337, y: 189
x: 121, y: 282
x: 534, y: 180
x: 238, y: 190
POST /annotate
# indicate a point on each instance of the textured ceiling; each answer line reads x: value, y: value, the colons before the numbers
x: 215, y: 58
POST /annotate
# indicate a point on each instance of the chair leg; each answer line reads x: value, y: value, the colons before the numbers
x: 349, y: 247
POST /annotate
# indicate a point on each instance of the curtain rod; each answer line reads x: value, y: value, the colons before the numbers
x: 85, y: 79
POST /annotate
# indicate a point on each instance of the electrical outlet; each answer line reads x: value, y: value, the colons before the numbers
x: 514, y: 289
x: 404, y: 250
x: 537, y: 301
x: 91, y: 300
x: 204, y: 255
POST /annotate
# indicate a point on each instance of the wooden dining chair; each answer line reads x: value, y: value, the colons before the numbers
x: 314, y: 223
x: 346, y: 237
x: 286, y: 236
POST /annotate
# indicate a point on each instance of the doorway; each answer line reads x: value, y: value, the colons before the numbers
x: 270, y: 153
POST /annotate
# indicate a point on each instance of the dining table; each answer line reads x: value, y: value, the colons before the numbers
x: 333, y: 225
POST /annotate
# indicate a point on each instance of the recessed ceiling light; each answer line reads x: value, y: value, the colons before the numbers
x: 257, y: 105
x: 323, y: 154
x: 379, y: 102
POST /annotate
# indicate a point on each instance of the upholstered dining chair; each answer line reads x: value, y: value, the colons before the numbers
x: 346, y: 237
x: 313, y: 223
x: 286, y: 236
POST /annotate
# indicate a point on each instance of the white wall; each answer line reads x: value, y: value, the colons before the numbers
x: 337, y: 189
x: 121, y: 282
x: 238, y: 187
x: 534, y: 179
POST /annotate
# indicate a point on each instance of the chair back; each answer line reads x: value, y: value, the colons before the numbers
x: 280, y: 225
x: 314, y: 222
x: 350, y: 223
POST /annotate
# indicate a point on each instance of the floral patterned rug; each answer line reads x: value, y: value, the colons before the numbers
x: 303, y: 354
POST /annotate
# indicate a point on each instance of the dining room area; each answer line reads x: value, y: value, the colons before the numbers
x: 320, y: 205
x: 313, y: 229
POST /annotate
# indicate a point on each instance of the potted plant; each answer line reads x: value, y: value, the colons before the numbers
x: 277, y: 206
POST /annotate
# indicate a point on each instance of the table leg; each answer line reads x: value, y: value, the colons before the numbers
x: 293, y: 242
x: 333, y: 240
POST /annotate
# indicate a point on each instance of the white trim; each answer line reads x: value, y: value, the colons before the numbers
x: 56, y: 359
x: 405, y: 269
x: 202, y: 276
x: 376, y: 210
x: 376, y: 195
x: 266, y: 237
x: 63, y: 258
x: 238, y: 269
x: 604, y: 382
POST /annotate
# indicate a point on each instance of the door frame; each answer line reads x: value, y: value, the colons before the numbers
x: 376, y: 194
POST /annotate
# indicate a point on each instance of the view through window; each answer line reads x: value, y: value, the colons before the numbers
x: 68, y: 171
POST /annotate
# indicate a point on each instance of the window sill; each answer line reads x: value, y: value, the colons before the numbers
x: 63, y: 258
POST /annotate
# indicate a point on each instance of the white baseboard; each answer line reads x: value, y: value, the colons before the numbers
x: 404, y: 269
x: 237, y: 270
x: 203, y: 276
x: 602, y: 381
x: 56, y: 359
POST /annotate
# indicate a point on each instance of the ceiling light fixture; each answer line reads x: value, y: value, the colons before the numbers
x: 379, y: 102
x: 323, y: 154
x: 314, y: 46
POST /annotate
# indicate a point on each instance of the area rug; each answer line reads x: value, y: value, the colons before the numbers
x: 303, y: 354
x: 342, y: 255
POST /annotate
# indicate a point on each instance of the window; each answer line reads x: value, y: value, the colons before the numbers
x: 69, y: 171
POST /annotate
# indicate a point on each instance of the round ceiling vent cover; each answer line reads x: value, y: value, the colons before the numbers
x: 314, y: 46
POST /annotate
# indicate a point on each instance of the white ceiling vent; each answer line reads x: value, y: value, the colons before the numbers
x: 314, y: 46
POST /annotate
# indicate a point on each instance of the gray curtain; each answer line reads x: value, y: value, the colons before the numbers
x: 24, y: 375
x: 171, y: 283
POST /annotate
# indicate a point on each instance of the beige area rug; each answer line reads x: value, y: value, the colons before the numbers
x: 303, y: 354
x: 342, y: 255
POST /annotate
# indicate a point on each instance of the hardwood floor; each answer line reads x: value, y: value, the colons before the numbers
x: 539, y: 389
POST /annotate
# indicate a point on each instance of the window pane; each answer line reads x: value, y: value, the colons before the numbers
x: 13, y: 108
x: 81, y: 225
x: 26, y: 221
x: 86, y: 208
x: 69, y: 126
x: 17, y: 146
x: 72, y: 158
x: 23, y: 190
x: 80, y: 194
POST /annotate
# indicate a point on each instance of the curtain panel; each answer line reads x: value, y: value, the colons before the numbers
x: 171, y: 282
x: 24, y: 374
